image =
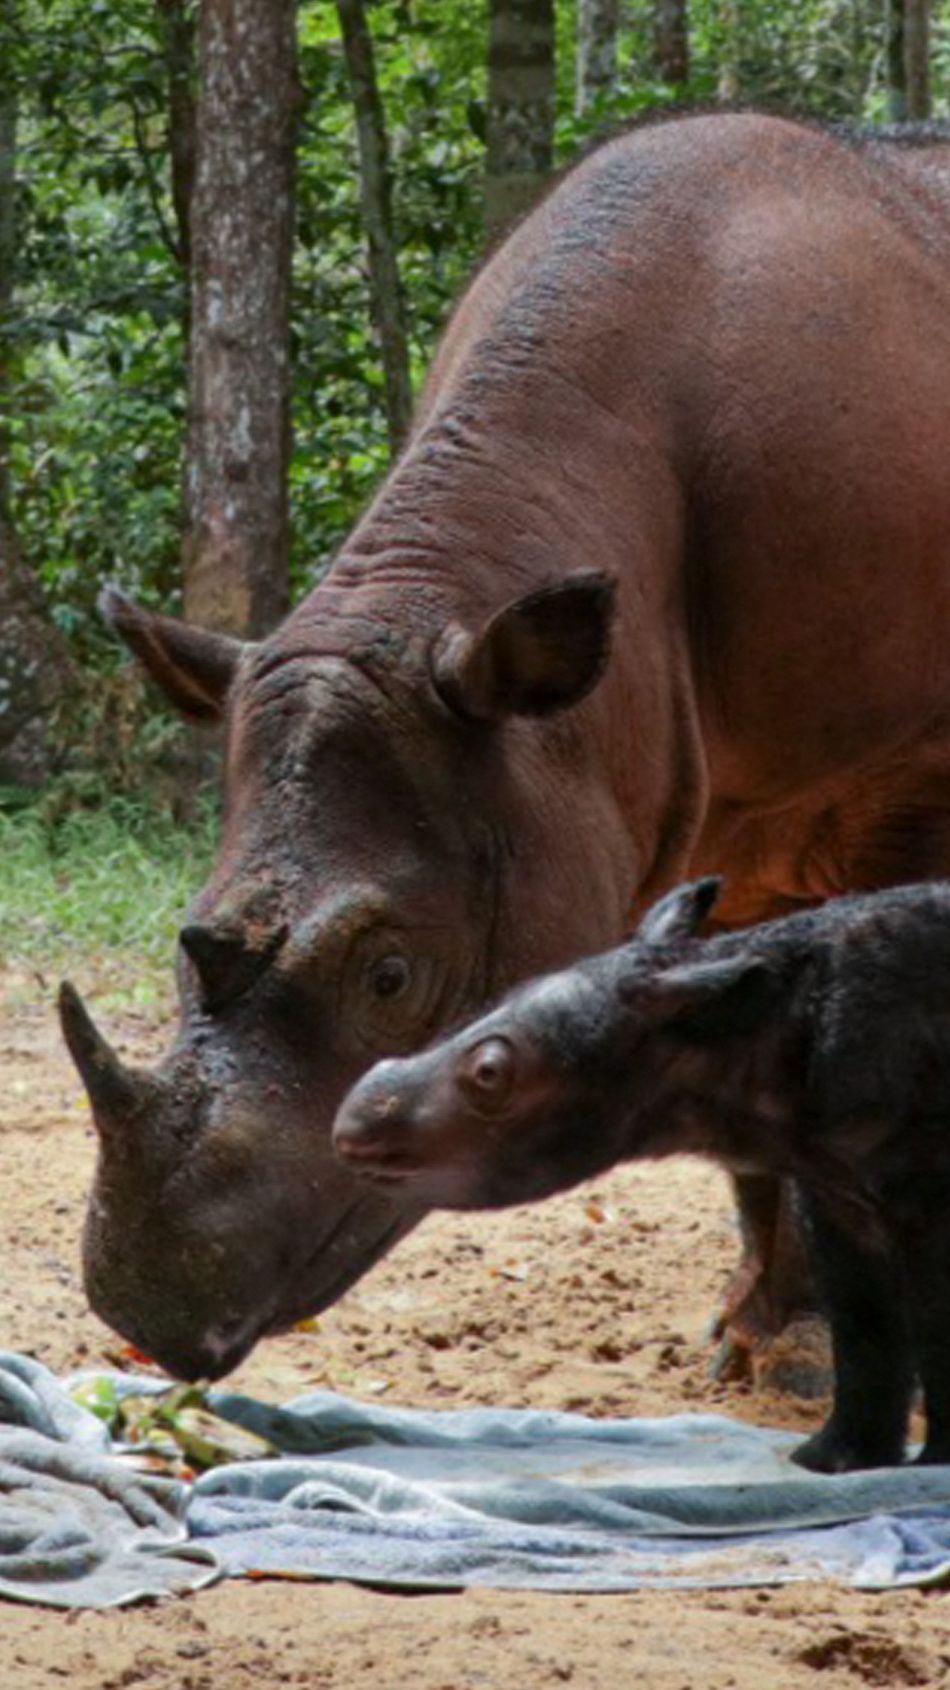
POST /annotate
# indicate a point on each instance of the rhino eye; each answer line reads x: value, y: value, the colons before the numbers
x: 388, y: 994
x: 487, y: 1072
x: 390, y: 977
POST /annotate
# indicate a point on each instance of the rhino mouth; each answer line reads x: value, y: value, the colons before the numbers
x: 292, y: 1310
x: 215, y: 1347
x: 250, y: 1258
x: 392, y: 1167
x: 307, y: 1290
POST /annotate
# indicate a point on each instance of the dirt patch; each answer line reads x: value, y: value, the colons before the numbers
x: 872, y: 1657
x: 596, y: 1302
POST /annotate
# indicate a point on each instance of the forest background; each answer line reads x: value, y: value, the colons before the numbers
x: 397, y: 139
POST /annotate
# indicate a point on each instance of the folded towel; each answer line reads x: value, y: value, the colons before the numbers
x: 508, y: 1499
x: 78, y: 1526
x: 516, y: 1499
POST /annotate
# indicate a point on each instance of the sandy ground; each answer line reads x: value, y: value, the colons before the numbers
x: 596, y: 1302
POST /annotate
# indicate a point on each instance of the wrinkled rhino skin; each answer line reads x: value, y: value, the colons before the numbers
x: 661, y: 584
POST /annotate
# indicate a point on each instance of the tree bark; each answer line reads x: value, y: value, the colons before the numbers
x: 671, y: 41
x: 387, y: 302
x: 896, y: 69
x: 8, y: 229
x: 727, y: 90
x: 597, y: 25
x: 36, y: 668
x: 37, y: 671
x: 917, y: 59
x: 178, y: 44
x: 242, y: 223
x: 520, y: 108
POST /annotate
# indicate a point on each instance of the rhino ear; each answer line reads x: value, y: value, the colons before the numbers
x: 193, y: 668
x: 681, y: 913
x: 704, y: 1001
x: 538, y: 654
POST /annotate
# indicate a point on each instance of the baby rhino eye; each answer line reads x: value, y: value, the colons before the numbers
x: 488, y: 1070
x: 390, y: 977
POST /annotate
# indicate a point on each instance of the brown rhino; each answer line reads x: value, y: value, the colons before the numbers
x: 660, y: 586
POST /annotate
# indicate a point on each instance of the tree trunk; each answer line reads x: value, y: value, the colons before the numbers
x: 520, y: 107
x: 728, y: 84
x: 597, y: 25
x: 671, y: 41
x: 896, y: 71
x: 178, y: 43
x: 917, y: 58
x: 242, y: 222
x: 387, y: 301
x: 8, y: 230
x: 36, y: 668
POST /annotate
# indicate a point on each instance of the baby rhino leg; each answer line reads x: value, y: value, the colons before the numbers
x: 926, y: 1252
x: 861, y: 1287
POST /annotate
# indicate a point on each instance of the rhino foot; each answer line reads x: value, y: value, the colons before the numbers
x: 834, y: 1451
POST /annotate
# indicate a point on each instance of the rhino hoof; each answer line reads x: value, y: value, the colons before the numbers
x: 795, y: 1362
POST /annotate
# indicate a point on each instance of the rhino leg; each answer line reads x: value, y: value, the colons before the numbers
x: 926, y: 1260
x: 768, y: 1327
x: 862, y: 1287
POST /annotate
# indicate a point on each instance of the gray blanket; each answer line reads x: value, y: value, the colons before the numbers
x: 79, y: 1528
x: 413, y: 1500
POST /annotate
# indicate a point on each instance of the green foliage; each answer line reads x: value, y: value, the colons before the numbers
x: 431, y: 81
x: 110, y: 882
x: 97, y: 404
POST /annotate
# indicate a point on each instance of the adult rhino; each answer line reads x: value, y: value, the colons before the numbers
x: 660, y: 586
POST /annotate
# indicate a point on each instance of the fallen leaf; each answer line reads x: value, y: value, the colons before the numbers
x: 137, y: 1357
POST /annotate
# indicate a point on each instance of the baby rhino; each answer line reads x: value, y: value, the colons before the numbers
x: 817, y: 1046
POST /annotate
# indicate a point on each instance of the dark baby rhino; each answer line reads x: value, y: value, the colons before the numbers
x: 816, y: 1047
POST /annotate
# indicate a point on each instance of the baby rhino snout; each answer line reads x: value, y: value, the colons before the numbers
x: 374, y: 1127
x: 421, y: 1112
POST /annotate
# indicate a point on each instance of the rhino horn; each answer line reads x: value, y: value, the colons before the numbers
x: 116, y: 1093
x: 227, y: 962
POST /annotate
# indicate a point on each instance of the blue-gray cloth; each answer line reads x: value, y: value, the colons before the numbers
x: 507, y: 1499
x: 79, y: 1528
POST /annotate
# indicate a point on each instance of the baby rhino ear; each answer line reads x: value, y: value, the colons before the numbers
x: 681, y: 913
x: 705, y: 1001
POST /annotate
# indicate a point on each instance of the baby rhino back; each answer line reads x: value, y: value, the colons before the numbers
x: 881, y: 1038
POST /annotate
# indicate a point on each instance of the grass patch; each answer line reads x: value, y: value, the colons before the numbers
x: 100, y: 891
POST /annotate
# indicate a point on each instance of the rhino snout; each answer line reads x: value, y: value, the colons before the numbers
x: 375, y: 1128
x: 427, y: 1114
